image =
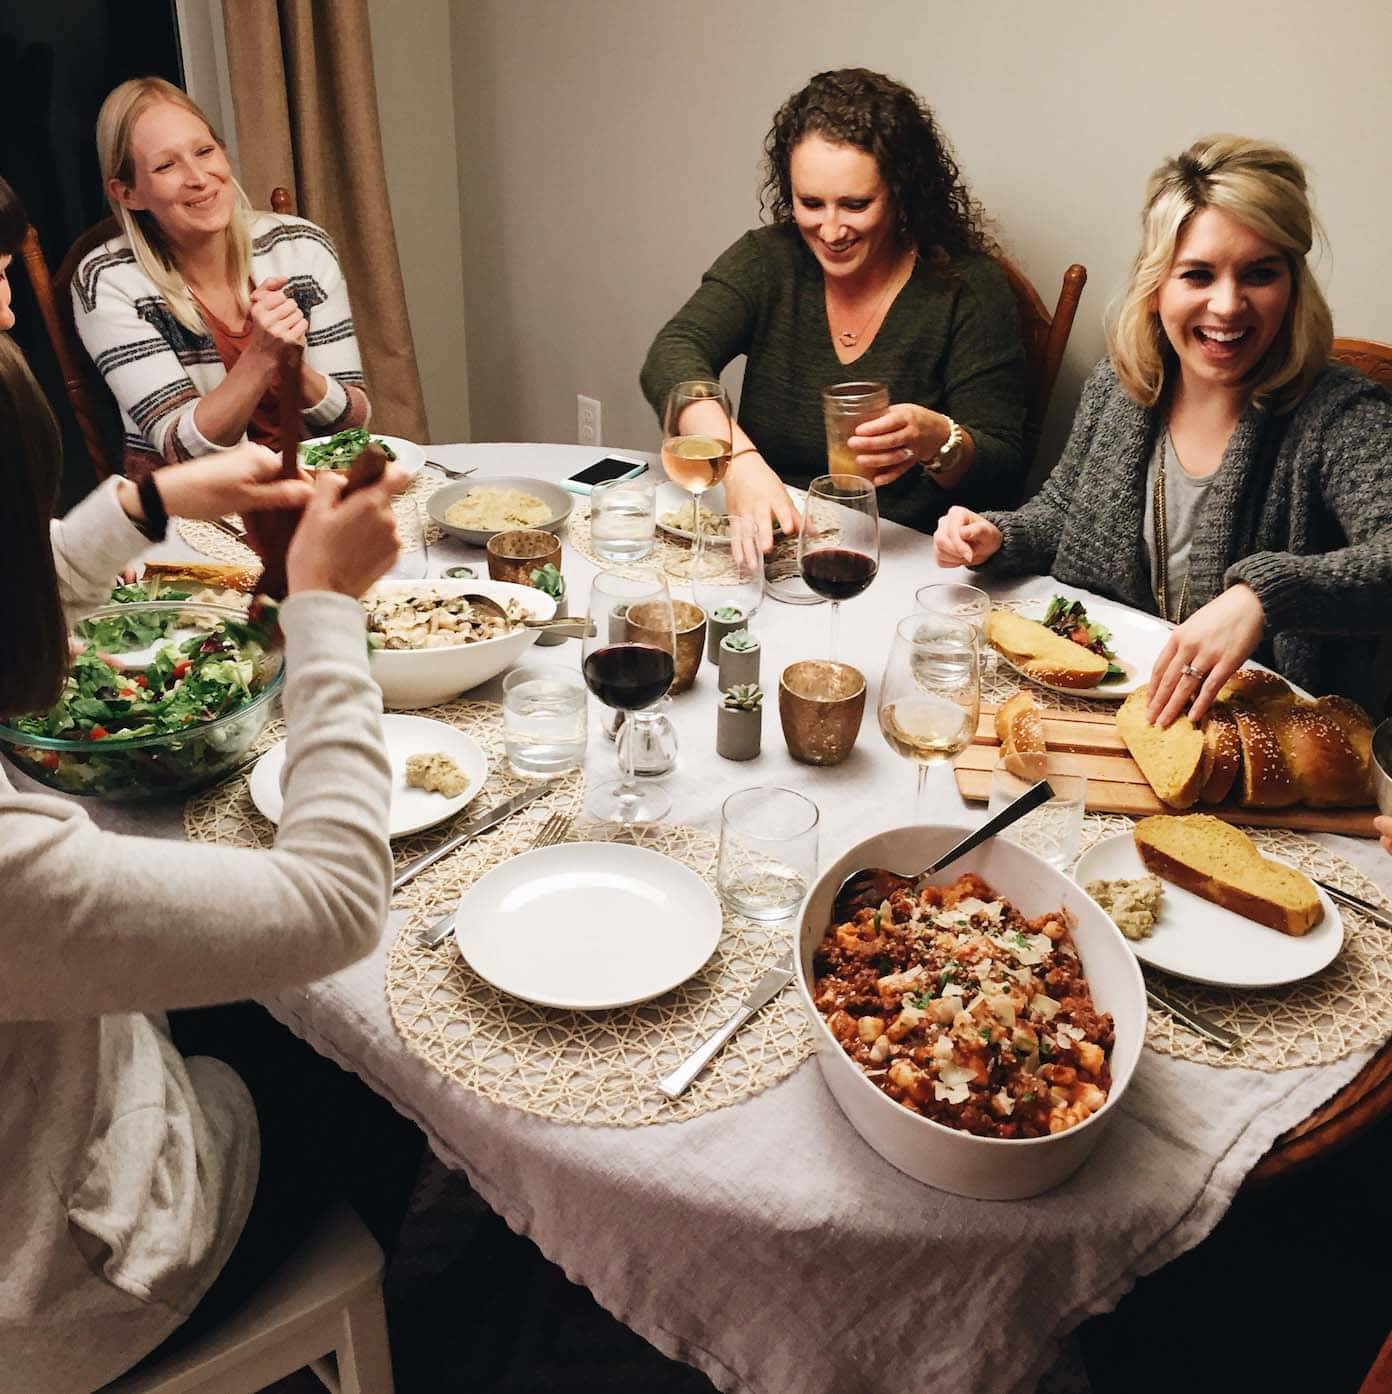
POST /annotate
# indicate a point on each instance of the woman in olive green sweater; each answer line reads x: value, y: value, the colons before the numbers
x: 876, y: 268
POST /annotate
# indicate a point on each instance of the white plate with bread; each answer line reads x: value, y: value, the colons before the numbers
x: 1198, y: 938
x: 1055, y: 662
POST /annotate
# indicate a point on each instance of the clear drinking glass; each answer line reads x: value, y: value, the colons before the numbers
x: 628, y: 675
x: 959, y: 602
x: 845, y: 407
x: 930, y: 695
x: 1054, y: 830
x: 839, y: 545
x: 768, y: 852
x: 623, y: 519
x: 741, y: 585
x: 544, y: 714
x: 697, y: 428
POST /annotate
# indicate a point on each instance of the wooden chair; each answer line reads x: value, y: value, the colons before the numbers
x: 1378, y: 1380
x: 1372, y: 359
x: 1046, y: 338
x: 325, y: 1300
x: 97, y: 415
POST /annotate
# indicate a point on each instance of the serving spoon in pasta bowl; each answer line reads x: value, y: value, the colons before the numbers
x: 567, y: 626
x: 875, y: 884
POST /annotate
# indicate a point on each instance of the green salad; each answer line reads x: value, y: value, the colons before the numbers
x: 128, y: 720
x: 1069, y: 618
x: 341, y: 449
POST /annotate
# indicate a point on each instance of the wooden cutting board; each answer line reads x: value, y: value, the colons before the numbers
x: 1087, y: 743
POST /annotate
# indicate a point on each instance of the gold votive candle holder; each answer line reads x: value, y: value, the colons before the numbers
x: 821, y: 704
x: 513, y: 556
x: 690, y: 623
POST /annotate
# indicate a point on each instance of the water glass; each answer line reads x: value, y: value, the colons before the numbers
x: 1054, y: 830
x: 768, y: 852
x: 965, y: 603
x: 845, y: 407
x: 623, y: 519
x: 544, y: 712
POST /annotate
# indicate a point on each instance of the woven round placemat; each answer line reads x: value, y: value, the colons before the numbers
x: 226, y: 813
x: 596, y: 1067
x: 409, y: 507
x: 1341, y: 1009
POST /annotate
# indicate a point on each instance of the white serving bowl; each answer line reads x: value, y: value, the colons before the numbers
x: 981, y: 1167
x: 411, y: 678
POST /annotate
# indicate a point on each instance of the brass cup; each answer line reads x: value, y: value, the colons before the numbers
x: 690, y: 623
x: 821, y: 705
x: 513, y: 556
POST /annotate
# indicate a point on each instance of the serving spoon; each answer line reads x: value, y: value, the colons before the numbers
x: 568, y: 626
x: 875, y: 884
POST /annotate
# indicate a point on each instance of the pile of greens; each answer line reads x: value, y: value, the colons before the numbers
x: 1069, y: 618
x: 340, y: 450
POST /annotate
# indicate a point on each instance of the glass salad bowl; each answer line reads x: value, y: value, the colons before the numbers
x: 161, y: 698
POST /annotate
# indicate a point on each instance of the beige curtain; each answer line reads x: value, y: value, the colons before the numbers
x: 306, y: 108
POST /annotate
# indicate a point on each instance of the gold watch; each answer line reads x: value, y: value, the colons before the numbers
x: 949, y: 452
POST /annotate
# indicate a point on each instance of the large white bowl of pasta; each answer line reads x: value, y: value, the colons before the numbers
x: 980, y: 1039
x: 426, y: 646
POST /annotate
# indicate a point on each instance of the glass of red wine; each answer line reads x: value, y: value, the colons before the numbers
x: 628, y: 663
x: 839, y: 545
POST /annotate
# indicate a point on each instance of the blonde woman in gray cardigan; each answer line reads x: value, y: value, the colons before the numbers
x: 1221, y: 471
x: 129, y: 1171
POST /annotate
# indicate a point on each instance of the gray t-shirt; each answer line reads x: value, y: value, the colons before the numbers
x: 1184, y: 495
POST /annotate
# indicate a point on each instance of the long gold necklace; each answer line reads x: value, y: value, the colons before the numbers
x: 848, y: 338
x: 1162, y: 546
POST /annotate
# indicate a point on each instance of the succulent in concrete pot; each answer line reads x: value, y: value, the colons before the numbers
x: 739, y: 722
x: 739, y: 659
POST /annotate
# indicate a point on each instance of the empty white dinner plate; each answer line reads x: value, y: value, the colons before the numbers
x: 411, y: 809
x: 588, y: 925
x: 1194, y: 938
x: 409, y: 455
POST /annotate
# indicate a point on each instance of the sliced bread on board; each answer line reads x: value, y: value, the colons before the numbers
x: 1176, y: 761
x: 1221, y: 863
x: 1020, y: 730
x: 1225, y: 748
x: 1040, y: 653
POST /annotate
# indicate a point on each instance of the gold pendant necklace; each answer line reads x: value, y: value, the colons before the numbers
x: 1162, y: 546
x: 848, y: 338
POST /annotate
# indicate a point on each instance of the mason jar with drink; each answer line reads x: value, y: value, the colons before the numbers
x: 845, y: 407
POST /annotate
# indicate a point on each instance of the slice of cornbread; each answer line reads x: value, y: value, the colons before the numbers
x: 1040, y: 653
x: 1176, y: 761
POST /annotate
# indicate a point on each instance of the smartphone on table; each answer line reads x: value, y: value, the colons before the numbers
x: 603, y: 471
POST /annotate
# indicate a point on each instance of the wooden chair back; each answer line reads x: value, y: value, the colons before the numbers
x: 1372, y: 359
x: 1046, y: 338
x: 98, y: 417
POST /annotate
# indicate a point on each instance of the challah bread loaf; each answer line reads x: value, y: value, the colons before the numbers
x: 1321, y: 759
x: 1020, y: 730
x: 1040, y: 653
x: 1176, y: 761
x: 1221, y: 863
x: 1225, y: 751
x: 1358, y: 728
x: 1266, y: 778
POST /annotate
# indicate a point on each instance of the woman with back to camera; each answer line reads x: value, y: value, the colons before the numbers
x: 1221, y: 470
x: 876, y: 267
x: 187, y: 312
x: 135, y: 1177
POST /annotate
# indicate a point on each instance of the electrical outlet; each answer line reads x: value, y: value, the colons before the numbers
x: 587, y: 419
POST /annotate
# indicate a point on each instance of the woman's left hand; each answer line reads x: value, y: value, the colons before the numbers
x: 239, y: 480
x: 1203, y: 653
x: 893, y: 443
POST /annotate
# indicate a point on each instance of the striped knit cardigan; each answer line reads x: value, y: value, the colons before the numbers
x: 158, y: 371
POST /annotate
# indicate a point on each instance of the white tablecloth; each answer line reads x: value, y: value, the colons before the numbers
x: 765, y: 1242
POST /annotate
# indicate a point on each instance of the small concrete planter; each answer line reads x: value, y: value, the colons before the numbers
x: 618, y: 624
x: 739, y: 723
x: 718, y: 626
x: 739, y: 666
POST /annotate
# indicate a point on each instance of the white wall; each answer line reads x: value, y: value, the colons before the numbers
x: 608, y: 150
x: 411, y: 58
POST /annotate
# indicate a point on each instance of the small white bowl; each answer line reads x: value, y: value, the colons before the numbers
x: 411, y: 678
x: 982, y: 1167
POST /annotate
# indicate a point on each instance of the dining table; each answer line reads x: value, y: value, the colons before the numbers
x: 760, y: 1238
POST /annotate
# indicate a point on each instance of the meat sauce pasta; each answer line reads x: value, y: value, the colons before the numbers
x: 964, y: 1011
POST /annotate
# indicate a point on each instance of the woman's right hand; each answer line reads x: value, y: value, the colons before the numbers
x: 277, y: 322
x: 345, y: 544
x: 964, y: 538
x: 754, y: 492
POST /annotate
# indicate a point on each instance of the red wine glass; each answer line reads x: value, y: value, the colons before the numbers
x: 628, y: 663
x: 839, y: 545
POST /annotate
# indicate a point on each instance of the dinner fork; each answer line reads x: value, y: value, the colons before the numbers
x: 454, y: 471
x: 552, y: 831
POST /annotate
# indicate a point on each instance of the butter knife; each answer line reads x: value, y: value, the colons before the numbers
x: 1209, y: 1030
x: 1377, y: 916
x: 768, y: 987
x: 472, y: 828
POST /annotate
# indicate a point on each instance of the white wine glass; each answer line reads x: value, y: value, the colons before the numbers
x: 930, y: 695
x: 697, y: 429
x: 839, y: 545
x: 628, y: 663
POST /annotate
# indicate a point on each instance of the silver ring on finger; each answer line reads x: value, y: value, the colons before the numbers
x: 1190, y: 671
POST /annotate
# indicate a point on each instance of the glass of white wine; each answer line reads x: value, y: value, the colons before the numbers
x: 930, y: 695
x: 697, y: 429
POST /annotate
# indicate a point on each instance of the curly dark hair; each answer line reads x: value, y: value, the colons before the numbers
x: 853, y: 106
